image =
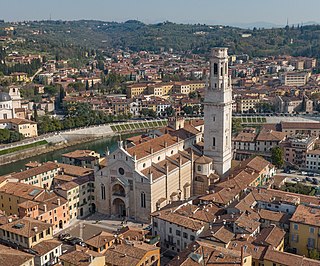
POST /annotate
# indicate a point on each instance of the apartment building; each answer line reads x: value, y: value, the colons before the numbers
x: 27, y: 128
x: 82, y: 158
x: 203, y: 253
x: 246, y: 104
x: 40, y: 175
x: 15, y: 257
x: 30, y: 201
x: 305, y: 230
x: 248, y: 143
x: 296, y: 148
x: 295, y: 78
x: 313, y: 160
x: 82, y: 256
x: 26, y: 232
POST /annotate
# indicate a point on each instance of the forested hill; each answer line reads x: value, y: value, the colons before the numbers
x: 136, y: 36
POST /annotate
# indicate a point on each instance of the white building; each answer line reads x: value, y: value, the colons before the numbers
x: 313, y: 161
x: 218, y: 113
x: 6, y: 108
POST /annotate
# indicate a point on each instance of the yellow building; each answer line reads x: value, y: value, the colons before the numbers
x: 20, y: 77
x: 277, y: 258
x: 26, y: 232
x: 305, y: 230
x: 167, y: 88
x: 136, y: 90
x: 27, y: 128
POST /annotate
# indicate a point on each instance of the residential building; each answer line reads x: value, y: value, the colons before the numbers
x: 246, y: 104
x: 30, y: 201
x: 305, y: 230
x: 313, y: 160
x: 295, y: 128
x: 27, y: 128
x: 14, y: 257
x: 40, y: 175
x: 79, y: 193
x: 26, y: 232
x: 250, y: 143
x: 296, y: 147
x: 82, y: 256
x: 132, y: 253
x: 202, y: 253
x: 48, y: 252
x: 178, y: 227
x: 83, y: 158
x: 135, y: 90
x: 295, y: 78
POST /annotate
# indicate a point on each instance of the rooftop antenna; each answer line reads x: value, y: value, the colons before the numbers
x: 288, y: 22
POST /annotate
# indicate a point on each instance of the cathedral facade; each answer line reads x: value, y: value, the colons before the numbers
x: 173, y: 163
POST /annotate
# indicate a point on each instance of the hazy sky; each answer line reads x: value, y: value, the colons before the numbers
x: 150, y: 11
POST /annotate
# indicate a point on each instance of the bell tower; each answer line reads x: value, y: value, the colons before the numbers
x: 218, y: 113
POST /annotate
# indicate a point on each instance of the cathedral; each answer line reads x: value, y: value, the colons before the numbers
x: 174, y: 163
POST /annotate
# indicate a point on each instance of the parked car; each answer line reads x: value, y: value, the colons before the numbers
x: 63, y: 236
x: 297, y: 179
x: 309, y: 179
x: 315, y: 181
x: 75, y: 241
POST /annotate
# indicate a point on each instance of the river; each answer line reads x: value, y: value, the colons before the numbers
x: 99, y: 146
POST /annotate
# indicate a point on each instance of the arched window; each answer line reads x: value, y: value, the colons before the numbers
x: 103, y: 192
x: 199, y: 167
x: 215, y: 69
x: 143, y: 200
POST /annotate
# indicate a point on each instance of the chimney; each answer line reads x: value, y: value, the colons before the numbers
x: 35, y: 229
x: 165, y: 144
x: 45, y: 207
x: 151, y: 150
x: 59, y: 201
x: 242, y: 256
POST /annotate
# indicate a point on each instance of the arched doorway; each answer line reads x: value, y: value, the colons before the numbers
x: 119, y: 207
x: 60, y: 224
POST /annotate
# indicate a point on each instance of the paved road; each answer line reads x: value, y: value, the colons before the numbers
x: 292, y: 178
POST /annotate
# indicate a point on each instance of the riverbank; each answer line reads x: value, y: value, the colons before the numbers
x: 38, y: 150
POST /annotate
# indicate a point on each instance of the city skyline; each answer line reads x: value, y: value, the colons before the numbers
x: 273, y: 13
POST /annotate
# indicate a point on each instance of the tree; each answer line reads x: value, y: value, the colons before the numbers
x: 35, y: 113
x: 4, y: 135
x: 193, y: 95
x: 51, y: 90
x: 277, y: 157
x: 314, y: 254
x: 188, y: 110
x: 87, y: 85
x: 169, y: 111
x: 236, y: 125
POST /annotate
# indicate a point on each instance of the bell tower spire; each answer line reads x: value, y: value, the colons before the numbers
x: 218, y: 113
